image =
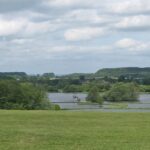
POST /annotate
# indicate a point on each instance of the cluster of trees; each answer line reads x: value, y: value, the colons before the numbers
x: 122, y: 92
x: 84, y: 85
x: 74, y: 85
x: 119, y: 92
x: 15, y: 95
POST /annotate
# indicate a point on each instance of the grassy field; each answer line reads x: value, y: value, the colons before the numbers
x: 65, y: 130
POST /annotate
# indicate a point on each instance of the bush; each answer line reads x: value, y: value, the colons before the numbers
x: 57, y: 107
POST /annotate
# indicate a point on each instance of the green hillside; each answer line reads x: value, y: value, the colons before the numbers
x: 116, y: 72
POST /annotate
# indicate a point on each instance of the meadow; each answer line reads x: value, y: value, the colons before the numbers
x: 72, y: 130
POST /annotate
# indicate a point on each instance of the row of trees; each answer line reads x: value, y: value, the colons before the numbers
x: 68, y: 85
x: 78, y: 82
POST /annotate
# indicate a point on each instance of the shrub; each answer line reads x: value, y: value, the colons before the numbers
x: 57, y: 107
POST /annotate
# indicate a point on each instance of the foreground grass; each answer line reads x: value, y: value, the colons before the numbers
x: 64, y: 130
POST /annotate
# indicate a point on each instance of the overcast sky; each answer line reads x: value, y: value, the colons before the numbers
x: 65, y: 36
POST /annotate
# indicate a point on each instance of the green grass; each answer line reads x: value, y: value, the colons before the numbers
x: 65, y: 130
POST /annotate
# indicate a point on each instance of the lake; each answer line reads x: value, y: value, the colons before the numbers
x: 71, y: 101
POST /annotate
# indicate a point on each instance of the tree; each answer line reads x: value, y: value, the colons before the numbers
x: 93, y: 96
x: 122, y: 92
x: 14, y: 95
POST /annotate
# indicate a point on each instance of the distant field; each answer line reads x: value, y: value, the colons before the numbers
x: 65, y: 130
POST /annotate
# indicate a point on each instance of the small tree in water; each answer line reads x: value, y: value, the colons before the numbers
x: 93, y: 96
x: 122, y: 92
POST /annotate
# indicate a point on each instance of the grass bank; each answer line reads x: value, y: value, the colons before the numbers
x: 65, y: 130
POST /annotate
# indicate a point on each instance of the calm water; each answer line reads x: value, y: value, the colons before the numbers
x: 70, y: 101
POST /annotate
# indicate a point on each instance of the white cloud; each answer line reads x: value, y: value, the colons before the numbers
x: 78, y: 49
x: 59, y: 3
x: 21, y: 41
x: 132, y: 45
x: 9, y: 27
x: 76, y: 3
x: 115, y: 6
x: 33, y: 28
x: 86, y: 15
x: 86, y: 33
x: 139, y: 22
x: 64, y: 2
x: 23, y: 26
x: 62, y: 48
x: 130, y: 6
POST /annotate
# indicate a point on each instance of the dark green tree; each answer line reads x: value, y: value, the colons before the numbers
x: 122, y: 92
x: 94, y: 96
x: 14, y: 95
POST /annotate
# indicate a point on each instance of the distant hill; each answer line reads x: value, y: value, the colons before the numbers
x: 12, y: 75
x: 127, y: 72
x: 116, y: 72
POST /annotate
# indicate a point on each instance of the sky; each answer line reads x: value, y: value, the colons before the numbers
x: 67, y: 36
